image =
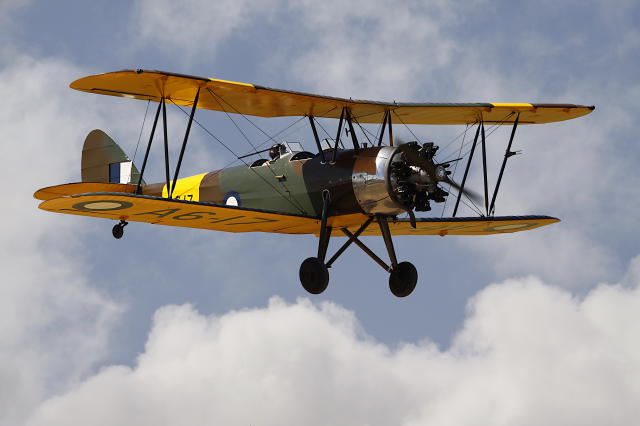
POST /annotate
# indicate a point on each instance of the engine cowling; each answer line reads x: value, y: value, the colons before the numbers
x: 372, y: 184
x: 393, y: 180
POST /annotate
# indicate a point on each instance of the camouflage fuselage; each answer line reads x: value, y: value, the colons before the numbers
x: 287, y: 184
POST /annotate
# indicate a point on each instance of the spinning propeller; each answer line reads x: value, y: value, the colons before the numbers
x: 416, y: 176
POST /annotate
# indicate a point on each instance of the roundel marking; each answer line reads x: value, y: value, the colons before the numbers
x: 511, y: 226
x: 232, y: 198
x: 102, y: 205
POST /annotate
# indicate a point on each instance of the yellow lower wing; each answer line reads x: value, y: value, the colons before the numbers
x: 171, y: 212
x: 462, y: 225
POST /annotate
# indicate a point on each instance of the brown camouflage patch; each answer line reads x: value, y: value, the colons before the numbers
x: 210, y: 190
x: 154, y: 189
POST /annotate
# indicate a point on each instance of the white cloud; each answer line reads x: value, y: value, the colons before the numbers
x: 528, y: 353
x: 53, y: 325
x: 192, y: 27
x: 8, y: 7
x: 372, y: 49
x: 559, y: 254
x: 358, y: 48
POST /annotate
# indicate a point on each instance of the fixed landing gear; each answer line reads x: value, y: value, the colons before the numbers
x: 118, y: 229
x: 403, y: 279
x: 402, y: 276
x: 314, y: 273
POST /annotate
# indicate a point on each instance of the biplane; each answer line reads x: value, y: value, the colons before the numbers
x: 295, y: 191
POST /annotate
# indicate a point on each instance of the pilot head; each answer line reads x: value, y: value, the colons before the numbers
x: 274, y: 152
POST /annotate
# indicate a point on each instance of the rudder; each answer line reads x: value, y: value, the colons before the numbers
x: 104, y: 161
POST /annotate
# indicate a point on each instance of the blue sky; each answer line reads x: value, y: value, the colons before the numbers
x: 91, y: 323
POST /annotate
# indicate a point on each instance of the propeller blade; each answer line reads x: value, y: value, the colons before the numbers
x: 469, y: 193
x: 412, y: 218
x: 450, y: 161
x: 430, y: 168
x: 423, y: 163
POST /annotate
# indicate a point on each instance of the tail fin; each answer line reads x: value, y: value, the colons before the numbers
x: 104, y: 161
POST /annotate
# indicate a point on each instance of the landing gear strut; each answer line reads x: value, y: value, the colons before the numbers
x: 403, y: 276
x: 118, y: 229
x: 314, y: 274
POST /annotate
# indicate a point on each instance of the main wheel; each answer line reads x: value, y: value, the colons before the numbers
x: 314, y: 276
x: 118, y: 230
x: 403, y: 279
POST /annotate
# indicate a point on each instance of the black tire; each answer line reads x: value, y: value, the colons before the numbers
x: 403, y: 279
x: 117, y: 231
x: 314, y: 276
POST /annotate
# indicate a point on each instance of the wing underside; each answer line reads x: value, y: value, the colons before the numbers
x: 462, y: 225
x: 249, y: 99
x: 171, y: 212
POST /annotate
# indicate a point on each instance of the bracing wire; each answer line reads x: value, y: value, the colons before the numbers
x: 232, y: 162
x: 141, y: 129
x: 218, y: 98
x: 364, y: 132
x: 235, y: 110
x: 455, y: 168
x: 232, y: 120
x: 297, y: 206
x: 323, y: 129
x: 407, y: 127
x: 472, y: 206
x: 489, y: 131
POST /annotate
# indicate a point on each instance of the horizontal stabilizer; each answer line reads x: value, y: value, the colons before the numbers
x: 66, y: 189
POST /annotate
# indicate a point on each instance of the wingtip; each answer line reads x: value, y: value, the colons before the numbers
x: 38, y: 194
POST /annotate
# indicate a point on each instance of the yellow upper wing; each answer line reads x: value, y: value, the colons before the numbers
x: 249, y: 99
